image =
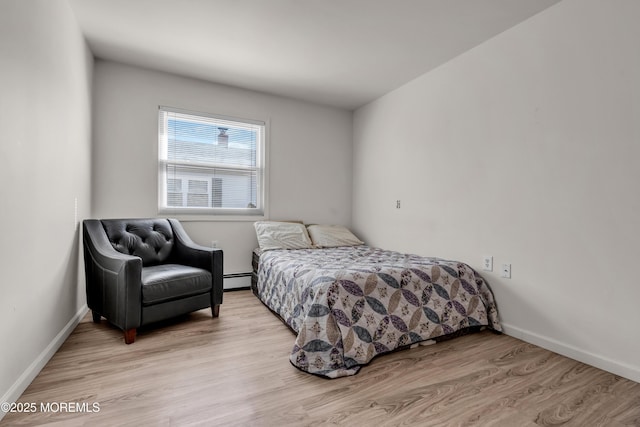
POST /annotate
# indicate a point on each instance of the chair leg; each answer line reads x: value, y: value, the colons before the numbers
x: 130, y: 335
x: 215, y: 310
x: 96, y: 316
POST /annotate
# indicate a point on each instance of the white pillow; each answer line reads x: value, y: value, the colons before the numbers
x: 282, y: 235
x: 330, y: 236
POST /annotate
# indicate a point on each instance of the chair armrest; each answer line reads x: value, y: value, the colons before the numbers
x: 95, y: 239
x: 189, y: 253
x: 113, y: 279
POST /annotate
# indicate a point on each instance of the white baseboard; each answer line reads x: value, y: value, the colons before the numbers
x: 36, y: 366
x: 604, y: 363
x: 236, y: 281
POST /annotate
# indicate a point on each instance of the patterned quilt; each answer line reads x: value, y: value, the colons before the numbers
x: 350, y: 304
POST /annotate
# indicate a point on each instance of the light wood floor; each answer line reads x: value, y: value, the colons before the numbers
x: 234, y: 370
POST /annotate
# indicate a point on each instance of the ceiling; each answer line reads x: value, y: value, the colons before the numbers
x: 342, y: 53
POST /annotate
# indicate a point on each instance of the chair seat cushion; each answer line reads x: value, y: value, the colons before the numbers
x: 166, y: 282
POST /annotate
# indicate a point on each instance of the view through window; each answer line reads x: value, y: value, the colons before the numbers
x: 210, y: 164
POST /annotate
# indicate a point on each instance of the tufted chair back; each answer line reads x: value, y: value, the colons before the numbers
x: 150, y: 239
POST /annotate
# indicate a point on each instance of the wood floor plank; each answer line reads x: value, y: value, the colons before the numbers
x: 234, y: 371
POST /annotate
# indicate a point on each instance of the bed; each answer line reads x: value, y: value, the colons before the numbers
x: 348, y: 302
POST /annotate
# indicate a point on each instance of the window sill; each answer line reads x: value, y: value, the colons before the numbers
x: 214, y: 218
x: 203, y: 216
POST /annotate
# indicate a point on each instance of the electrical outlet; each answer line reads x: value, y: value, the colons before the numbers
x: 487, y: 263
x: 214, y: 244
x: 506, y: 271
x: 397, y: 204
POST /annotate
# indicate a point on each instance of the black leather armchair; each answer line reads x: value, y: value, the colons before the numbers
x: 140, y: 271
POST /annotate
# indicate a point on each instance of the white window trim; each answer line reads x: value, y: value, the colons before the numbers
x: 205, y: 214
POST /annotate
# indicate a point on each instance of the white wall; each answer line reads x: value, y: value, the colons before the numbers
x: 525, y: 148
x: 309, y: 150
x: 45, y: 127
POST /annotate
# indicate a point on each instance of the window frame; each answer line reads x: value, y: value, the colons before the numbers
x: 212, y: 213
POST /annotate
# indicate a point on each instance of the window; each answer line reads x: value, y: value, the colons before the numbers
x: 210, y: 164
